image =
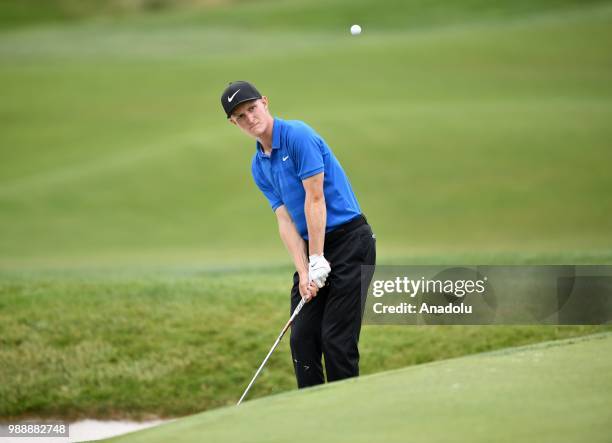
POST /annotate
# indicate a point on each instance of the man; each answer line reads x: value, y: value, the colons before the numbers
x: 322, y: 227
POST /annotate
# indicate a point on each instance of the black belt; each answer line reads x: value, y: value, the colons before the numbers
x: 341, y: 230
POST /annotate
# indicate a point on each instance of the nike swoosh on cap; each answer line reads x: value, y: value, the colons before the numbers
x: 230, y: 98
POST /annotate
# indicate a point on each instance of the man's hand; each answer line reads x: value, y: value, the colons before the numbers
x: 318, y: 270
x: 308, y: 290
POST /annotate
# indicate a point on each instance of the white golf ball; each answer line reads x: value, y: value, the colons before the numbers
x: 355, y: 29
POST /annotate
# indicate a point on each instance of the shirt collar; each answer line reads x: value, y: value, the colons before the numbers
x: 276, y: 138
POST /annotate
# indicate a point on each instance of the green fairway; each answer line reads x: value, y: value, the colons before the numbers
x: 552, y: 392
x: 489, y: 134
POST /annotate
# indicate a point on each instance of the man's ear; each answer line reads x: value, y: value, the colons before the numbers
x: 231, y: 120
x: 264, y: 100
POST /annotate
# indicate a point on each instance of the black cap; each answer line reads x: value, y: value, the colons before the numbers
x: 236, y: 93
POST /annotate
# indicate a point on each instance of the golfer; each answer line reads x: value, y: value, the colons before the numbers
x: 322, y: 227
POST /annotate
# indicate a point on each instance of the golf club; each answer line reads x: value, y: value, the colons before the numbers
x: 295, y: 313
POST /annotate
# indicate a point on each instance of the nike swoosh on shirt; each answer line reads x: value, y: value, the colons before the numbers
x: 285, y: 158
x: 230, y: 98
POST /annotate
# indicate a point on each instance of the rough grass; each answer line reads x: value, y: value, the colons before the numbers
x: 169, y: 345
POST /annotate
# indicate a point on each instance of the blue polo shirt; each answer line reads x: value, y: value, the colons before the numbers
x: 298, y: 152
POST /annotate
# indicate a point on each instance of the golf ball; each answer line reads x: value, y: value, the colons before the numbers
x: 355, y: 29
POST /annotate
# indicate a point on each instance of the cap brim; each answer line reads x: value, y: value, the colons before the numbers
x: 244, y: 100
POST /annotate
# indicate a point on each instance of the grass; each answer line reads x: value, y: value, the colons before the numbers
x: 544, y: 393
x: 495, y: 139
x: 141, y: 271
x: 90, y: 345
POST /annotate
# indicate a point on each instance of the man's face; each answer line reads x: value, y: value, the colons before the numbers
x: 252, y: 117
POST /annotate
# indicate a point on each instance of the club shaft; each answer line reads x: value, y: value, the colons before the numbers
x: 278, y: 340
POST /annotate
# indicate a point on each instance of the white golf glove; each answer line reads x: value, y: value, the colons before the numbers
x: 318, y: 270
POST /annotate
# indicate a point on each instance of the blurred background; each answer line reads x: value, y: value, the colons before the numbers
x: 132, y: 234
x: 469, y: 126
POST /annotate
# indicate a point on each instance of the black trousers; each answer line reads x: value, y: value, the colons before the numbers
x: 329, y: 325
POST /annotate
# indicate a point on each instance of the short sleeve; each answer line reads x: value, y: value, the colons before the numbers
x: 265, y: 186
x: 305, y: 150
